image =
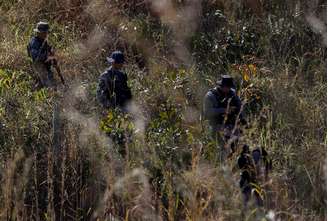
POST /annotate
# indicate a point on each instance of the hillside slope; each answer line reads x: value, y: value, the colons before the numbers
x: 175, y: 52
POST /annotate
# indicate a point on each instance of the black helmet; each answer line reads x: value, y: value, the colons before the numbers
x: 42, y: 27
x: 226, y: 80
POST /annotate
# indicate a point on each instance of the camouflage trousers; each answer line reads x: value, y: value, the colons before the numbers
x: 44, y: 75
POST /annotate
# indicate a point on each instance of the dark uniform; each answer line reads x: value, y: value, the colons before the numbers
x: 38, y: 50
x: 222, y: 111
x: 215, y: 106
x: 113, y: 90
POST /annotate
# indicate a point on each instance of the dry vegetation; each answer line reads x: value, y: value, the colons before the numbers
x: 276, y: 50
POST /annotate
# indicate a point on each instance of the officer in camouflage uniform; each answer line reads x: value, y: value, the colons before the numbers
x: 43, y: 56
x: 222, y: 107
x: 113, y: 91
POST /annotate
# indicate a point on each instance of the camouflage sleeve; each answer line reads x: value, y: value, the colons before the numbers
x: 209, y: 110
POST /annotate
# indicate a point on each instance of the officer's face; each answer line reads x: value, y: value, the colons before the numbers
x: 225, y: 89
x: 118, y: 66
x: 43, y: 35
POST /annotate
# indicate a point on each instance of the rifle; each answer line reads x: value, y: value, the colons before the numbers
x: 56, y: 66
x: 54, y: 62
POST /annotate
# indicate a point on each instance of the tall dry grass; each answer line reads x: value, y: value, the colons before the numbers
x: 175, y: 52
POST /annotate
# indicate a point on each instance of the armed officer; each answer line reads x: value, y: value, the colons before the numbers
x: 43, y: 57
x: 113, y: 90
x: 222, y: 108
